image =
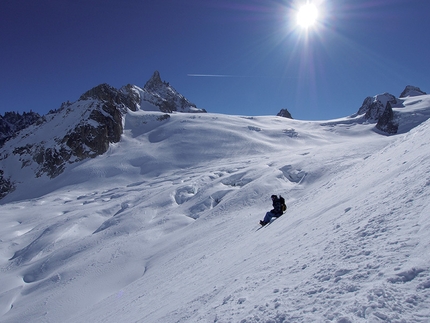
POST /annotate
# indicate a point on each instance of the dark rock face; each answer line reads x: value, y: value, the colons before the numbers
x: 12, y: 122
x: 107, y: 94
x: 107, y: 127
x: 379, y: 109
x: 375, y: 111
x: 52, y: 161
x: 368, y: 104
x: 374, y: 107
x: 284, y: 113
x: 99, y: 123
x: 155, y: 82
x: 387, y: 122
x: 411, y: 90
x: 132, y: 97
x: 6, y: 186
x: 110, y: 122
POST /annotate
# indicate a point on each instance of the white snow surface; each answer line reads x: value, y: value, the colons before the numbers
x: 163, y: 227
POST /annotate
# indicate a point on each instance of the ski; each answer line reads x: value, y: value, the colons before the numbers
x: 271, y: 221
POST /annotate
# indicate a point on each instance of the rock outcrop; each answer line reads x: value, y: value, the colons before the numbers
x: 285, y: 114
x: 387, y: 122
x: 411, y: 90
x: 379, y: 109
x: 6, y: 186
x: 373, y: 107
x: 12, y: 122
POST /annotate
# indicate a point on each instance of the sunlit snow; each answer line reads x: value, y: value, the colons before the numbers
x: 163, y: 227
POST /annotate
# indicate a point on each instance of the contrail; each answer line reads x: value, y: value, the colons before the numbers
x: 214, y: 75
x: 242, y: 76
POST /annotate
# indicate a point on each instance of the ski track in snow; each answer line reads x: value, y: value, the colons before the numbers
x: 167, y: 233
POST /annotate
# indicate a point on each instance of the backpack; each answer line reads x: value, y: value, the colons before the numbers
x: 284, y: 206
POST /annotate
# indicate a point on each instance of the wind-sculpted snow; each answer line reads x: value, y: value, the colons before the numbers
x: 293, y: 175
x: 162, y: 228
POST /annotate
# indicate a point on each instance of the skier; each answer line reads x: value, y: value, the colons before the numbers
x: 278, y: 209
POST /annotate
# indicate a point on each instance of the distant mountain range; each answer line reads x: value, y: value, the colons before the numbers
x: 156, y: 95
x: 44, y: 145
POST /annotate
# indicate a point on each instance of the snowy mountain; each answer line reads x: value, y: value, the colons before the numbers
x: 389, y: 114
x: 411, y: 90
x: 163, y: 226
x: 161, y: 95
x: 77, y: 131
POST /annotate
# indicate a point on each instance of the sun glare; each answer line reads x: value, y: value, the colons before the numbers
x: 307, y: 15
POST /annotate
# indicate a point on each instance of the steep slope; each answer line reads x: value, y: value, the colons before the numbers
x: 162, y: 227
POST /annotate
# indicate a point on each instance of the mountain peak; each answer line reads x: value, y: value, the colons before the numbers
x: 374, y: 107
x: 105, y: 93
x: 154, y: 82
x: 411, y: 90
x: 165, y: 97
x: 284, y: 113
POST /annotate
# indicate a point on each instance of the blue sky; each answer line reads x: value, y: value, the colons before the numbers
x: 52, y: 51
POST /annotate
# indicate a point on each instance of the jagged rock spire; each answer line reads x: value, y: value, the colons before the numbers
x: 154, y: 82
x: 165, y: 97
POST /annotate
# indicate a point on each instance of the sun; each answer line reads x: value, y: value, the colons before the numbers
x: 307, y: 15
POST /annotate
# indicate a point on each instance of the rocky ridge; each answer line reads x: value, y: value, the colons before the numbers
x: 159, y: 94
x: 379, y: 109
x: 44, y: 146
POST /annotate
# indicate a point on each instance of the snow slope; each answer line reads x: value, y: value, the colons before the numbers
x: 163, y: 227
